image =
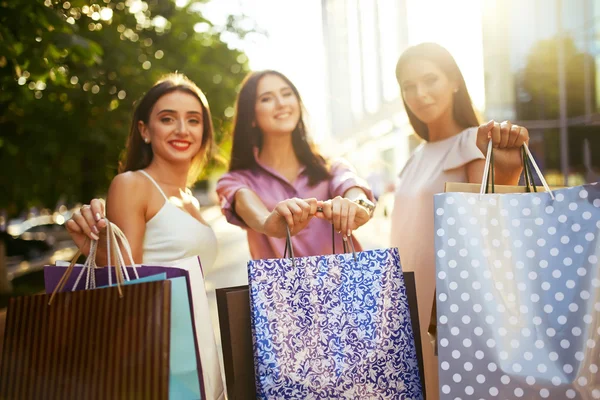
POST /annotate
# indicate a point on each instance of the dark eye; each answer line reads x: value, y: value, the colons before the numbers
x: 166, y: 120
x: 194, y: 121
x: 288, y: 93
x: 265, y: 99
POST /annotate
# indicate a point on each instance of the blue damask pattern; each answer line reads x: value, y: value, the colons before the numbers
x: 333, y: 327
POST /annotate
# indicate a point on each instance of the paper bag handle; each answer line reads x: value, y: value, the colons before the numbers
x: 348, y: 245
x: 528, y: 161
x: 113, y: 236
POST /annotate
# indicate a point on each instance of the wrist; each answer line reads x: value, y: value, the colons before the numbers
x: 367, y: 204
x: 263, y: 225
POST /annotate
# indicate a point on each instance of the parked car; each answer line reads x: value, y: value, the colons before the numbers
x: 33, y: 245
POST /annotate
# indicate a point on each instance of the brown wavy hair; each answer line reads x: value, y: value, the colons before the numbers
x: 138, y: 154
x: 463, y: 111
x: 246, y: 137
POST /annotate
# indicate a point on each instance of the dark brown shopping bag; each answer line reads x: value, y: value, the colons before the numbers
x: 236, y: 340
x: 91, y: 344
x: 236, y: 337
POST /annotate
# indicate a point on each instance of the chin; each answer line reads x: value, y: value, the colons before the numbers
x: 282, y: 131
x: 427, y: 118
x: 182, y: 157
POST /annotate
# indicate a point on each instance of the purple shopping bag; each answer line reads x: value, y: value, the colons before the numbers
x: 53, y: 273
x: 191, y: 269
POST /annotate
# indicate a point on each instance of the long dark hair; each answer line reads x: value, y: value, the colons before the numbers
x: 463, y: 111
x: 138, y: 154
x: 246, y: 137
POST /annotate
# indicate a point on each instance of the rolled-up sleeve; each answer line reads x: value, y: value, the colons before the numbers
x: 344, y: 177
x: 227, y: 186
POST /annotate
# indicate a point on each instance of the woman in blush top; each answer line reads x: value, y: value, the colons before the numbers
x: 441, y: 113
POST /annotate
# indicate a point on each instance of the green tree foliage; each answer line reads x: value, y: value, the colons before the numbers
x: 69, y: 75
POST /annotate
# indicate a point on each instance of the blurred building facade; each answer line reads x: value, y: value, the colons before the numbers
x: 368, y: 124
x: 541, y: 60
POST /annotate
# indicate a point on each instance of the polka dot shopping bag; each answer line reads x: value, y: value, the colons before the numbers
x: 518, y: 294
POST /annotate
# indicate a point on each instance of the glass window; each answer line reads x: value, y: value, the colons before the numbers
x: 389, y: 39
x: 370, y: 55
x: 354, y: 60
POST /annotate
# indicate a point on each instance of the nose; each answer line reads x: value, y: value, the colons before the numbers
x: 421, y: 91
x: 180, y: 126
x: 279, y: 101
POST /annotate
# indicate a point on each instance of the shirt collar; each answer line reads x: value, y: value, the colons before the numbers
x: 271, y: 171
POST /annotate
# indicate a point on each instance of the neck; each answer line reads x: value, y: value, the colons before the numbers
x: 444, y: 127
x: 168, y: 173
x: 278, y: 152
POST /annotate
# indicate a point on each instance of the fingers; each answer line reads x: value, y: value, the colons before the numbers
x: 83, y: 224
x: 326, y: 210
x: 495, y: 134
x: 297, y: 211
x: 304, y: 210
x: 505, y: 130
x: 522, y: 137
x: 344, y: 213
x: 284, y: 211
x: 336, y: 211
x: 86, y: 212
x: 97, y: 209
x: 73, y: 228
x: 505, y: 135
x: 513, y: 136
x: 351, y: 215
x: 485, y: 129
x: 313, y: 203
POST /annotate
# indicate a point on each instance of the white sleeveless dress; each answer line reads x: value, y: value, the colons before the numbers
x: 172, y: 235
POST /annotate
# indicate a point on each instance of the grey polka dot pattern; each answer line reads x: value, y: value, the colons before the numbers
x: 518, y: 294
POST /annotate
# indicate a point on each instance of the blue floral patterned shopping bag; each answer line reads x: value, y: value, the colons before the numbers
x: 333, y: 327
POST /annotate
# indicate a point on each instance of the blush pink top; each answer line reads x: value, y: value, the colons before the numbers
x: 271, y: 187
x: 425, y: 174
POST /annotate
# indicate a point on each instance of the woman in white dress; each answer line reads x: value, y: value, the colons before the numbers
x: 440, y: 111
x: 170, y: 137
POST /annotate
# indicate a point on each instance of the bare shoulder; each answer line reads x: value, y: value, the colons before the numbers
x: 130, y: 186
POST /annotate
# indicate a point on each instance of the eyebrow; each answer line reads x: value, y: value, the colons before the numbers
x: 173, y: 111
x: 427, y: 75
x: 271, y: 92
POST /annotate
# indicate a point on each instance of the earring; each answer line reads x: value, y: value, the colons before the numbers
x: 147, y: 140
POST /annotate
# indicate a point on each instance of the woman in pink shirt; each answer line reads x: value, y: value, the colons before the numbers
x: 277, y: 178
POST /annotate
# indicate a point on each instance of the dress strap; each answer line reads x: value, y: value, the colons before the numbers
x: 155, y: 184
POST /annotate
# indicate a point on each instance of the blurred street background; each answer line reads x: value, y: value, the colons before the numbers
x: 70, y: 72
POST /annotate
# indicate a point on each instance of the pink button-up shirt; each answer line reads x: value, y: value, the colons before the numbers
x: 271, y: 187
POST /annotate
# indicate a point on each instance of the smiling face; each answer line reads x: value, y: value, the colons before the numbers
x: 175, y: 127
x: 427, y: 90
x: 277, y: 108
